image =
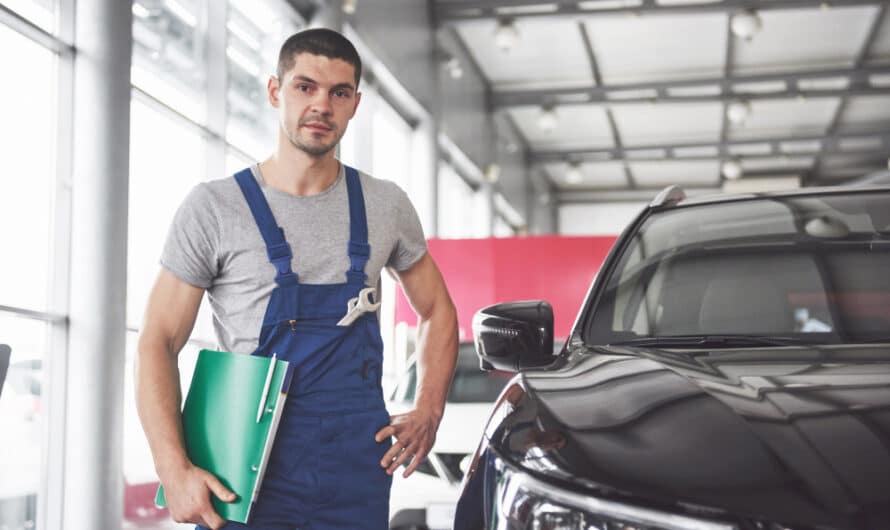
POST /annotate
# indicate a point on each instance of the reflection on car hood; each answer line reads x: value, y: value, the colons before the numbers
x: 797, y: 435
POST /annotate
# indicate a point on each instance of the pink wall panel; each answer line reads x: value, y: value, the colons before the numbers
x: 481, y: 272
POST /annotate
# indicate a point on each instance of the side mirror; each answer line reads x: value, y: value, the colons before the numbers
x: 514, y: 336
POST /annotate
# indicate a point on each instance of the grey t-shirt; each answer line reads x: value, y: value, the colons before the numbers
x: 214, y: 243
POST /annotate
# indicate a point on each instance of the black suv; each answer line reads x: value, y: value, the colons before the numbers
x: 730, y: 368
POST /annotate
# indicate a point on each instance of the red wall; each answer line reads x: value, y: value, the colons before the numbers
x: 481, y: 272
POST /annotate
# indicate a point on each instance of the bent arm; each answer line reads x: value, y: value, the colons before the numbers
x: 436, y: 333
x: 169, y: 318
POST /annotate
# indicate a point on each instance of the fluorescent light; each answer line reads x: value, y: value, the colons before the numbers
x: 182, y: 13
x: 609, y: 4
x: 527, y: 10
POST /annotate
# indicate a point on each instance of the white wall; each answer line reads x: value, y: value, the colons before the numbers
x: 597, y: 219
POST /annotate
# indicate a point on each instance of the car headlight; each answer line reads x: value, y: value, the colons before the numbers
x: 523, y: 502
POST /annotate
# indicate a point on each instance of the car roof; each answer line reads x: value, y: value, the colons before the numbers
x: 799, y: 192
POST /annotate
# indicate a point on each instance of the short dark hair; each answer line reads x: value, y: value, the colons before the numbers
x: 318, y: 41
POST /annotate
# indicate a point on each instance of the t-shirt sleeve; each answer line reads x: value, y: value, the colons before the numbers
x: 191, y: 248
x: 410, y: 243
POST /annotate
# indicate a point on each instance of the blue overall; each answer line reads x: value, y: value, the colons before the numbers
x: 324, y: 471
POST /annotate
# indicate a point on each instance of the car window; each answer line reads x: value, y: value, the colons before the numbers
x: 812, y: 267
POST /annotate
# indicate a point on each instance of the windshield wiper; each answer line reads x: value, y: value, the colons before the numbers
x: 711, y: 341
x: 873, y: 340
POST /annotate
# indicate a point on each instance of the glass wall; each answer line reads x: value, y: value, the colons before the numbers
x: 169, y: 53
x: 463, y: 211
x: 28, y: 205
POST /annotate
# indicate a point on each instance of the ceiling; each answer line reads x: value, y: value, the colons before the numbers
x: 640, y: 89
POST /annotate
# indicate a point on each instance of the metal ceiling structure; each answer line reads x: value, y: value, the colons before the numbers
x: 641, y: 88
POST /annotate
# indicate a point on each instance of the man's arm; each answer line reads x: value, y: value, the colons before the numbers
x: 415, y: 431
x: 169, y: 318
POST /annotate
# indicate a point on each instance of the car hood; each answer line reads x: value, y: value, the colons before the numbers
x: 797, y: 435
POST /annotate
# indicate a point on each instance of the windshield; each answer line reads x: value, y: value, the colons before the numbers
x: 812, y: 268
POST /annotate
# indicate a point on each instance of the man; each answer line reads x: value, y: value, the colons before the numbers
x: 281, y: 249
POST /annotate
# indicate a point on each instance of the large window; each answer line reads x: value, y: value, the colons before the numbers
x: 27, y: 213
x: 256, y: 31
x: 41, y: 12
x: 157, y: 186
x: 26, y: 189
x: 22, y: 421
x: 463, y: 211
x: 169, y: 53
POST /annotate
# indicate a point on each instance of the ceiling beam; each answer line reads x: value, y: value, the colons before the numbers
x: 598, y: 79
x: 830, y: 144
x: 834, y: 126
x: 455, y: 11
x: 731, y: 87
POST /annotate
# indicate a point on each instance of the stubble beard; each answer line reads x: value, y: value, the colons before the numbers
x: 312, y: 149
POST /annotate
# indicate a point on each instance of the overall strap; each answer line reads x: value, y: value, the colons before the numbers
x: 359, y: 249
x: 277, y: 248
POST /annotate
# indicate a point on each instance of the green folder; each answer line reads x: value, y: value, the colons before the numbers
x: 230, y: 418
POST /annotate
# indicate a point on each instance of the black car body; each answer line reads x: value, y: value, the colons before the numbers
x: 730, y: 368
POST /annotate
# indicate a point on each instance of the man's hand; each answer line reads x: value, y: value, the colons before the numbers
x: 414, y: 433
x: 188, y: 497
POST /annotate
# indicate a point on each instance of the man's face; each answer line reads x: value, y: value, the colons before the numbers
x: 315, y: 101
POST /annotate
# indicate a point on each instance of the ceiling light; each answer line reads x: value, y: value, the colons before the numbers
x: 732, y: 169
x: 505, y: 36
x: 547, y: 119
x: 348, y: 6
x: 746, y: 24
x: 492, y: 173
x: 573, y: 173
x: 738, y: 111
x: 452, y: 65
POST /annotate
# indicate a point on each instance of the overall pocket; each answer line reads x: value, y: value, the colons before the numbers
x: 295, y: 444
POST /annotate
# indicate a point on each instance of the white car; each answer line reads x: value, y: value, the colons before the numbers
x: 20, y: 425
x: 426, y: 499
